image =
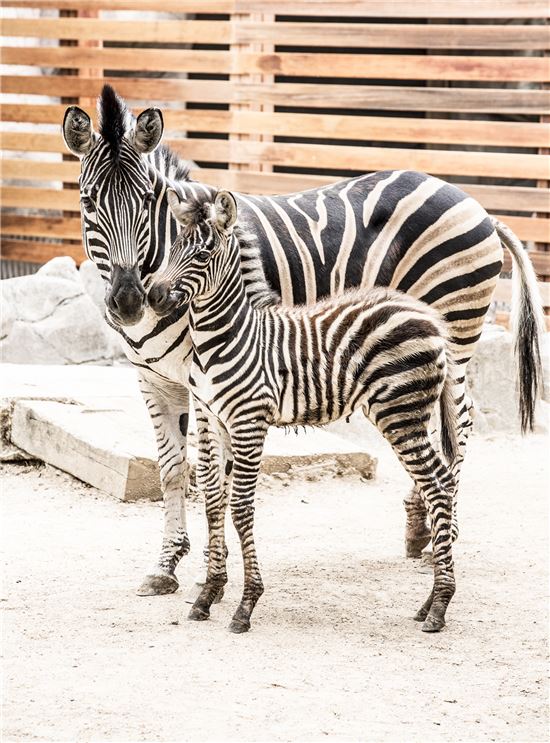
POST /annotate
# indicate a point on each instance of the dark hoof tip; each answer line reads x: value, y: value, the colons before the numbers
x: 420, y: 615
x: 219, y: 596
x: 198, y: 615
x: 433, y: 624
x: 238, y: 627
x: 158, y: 585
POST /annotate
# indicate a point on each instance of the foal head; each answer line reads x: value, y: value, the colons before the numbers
x: 199, y: 256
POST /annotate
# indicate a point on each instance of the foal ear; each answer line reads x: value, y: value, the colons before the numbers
x: 225, y: 207
x: 148, y: 130
x: 177, y: 207
x: 78, y: 131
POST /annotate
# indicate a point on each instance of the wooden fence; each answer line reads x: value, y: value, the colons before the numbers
x: 280, y: 96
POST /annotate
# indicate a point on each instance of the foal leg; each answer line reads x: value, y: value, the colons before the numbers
x: 418, y: 530
x: 213, y: 471
x: 247, y: 444
x: 436, y: 485
x: 216, y: 498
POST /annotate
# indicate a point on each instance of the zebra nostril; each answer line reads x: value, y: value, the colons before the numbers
x: 157, y: 295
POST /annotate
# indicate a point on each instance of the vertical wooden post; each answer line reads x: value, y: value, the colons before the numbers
x: 89, y: 72
x: 236, y: 162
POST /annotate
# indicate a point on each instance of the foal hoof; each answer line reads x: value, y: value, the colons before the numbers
x: 197, y: 614
x: 414, y: 547
x: 433, y: 624
x: 421, y: 614
x: 238, y: 627
x: 158, y: 585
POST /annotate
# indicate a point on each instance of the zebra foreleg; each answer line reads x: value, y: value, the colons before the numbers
x: 169, y: 411
x: 213, y: 471
x: 216, y: 499
x: 247, y: 445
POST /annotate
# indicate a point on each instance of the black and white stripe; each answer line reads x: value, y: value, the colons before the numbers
x: 377, y: 350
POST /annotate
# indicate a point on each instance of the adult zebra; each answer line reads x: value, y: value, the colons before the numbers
x: 401, y: 229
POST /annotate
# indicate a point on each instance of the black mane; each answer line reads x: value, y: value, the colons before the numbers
x: 113, y: 117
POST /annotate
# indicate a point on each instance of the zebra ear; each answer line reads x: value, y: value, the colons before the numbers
x: 78, y: 131
x: 225, y: 207
x: 148, y: 130
x: 177, y: 207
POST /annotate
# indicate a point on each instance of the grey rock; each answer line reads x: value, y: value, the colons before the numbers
x: 49, y: 318
x: 93, y: 284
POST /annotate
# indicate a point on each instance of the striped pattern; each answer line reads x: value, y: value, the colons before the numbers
x: 377, y: 350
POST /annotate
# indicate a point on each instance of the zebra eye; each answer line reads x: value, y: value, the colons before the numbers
x: 203, y: 256
x: 148, y: 198
x: 87, y: 202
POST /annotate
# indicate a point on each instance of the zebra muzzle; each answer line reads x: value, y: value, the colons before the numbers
x: 126, y: 297
x: 163, y: 300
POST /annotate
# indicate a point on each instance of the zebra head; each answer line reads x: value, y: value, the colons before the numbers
x: 199, y: 256
x: 116, y: 196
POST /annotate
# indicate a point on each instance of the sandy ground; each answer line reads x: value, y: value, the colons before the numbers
x: 333, y: 653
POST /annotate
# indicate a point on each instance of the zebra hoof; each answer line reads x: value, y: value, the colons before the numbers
x: 433, y: 624
x: 158, y: 585
x: 197, y: 614
x: 237, y: 626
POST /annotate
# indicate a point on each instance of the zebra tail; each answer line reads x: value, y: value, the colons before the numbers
x: 527, y: 326
x: 449, y: 414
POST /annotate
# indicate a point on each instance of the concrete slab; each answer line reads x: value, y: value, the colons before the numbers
x: 92, y: 423
x: 100, y: 447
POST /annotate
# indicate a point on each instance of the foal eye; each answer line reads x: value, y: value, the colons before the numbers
x: 203, y: 256
x: 148, y: 198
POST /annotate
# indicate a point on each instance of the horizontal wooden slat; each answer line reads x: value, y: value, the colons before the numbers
x: 131, y: 88
x: 174, y: 6
x: 503, y: 292
x: 164, y: 32
x: 345, y: 8
x: 511, y: 198
x: 52, y: 227
x: 39, y: 252
x: 373, y: 128
x: 45, y: 198
x: 32, y: 170
x: 381, y: 66
x: 394, y: 35
x: 528, y: 228
x: 348, y: 35
x: 395, y: 98
x: 314, y: 95
x: 147, y: 60
x: 438, y: 162
x: 402, y: 8
x: 539, y: 259
x: 395, y: 66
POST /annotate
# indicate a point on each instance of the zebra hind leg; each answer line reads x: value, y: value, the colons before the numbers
x: 435, y: 483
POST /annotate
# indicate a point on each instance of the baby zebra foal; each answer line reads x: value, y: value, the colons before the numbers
x: 253, y: 367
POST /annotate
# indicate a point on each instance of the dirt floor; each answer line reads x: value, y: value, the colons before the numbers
x: 333, y: 653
